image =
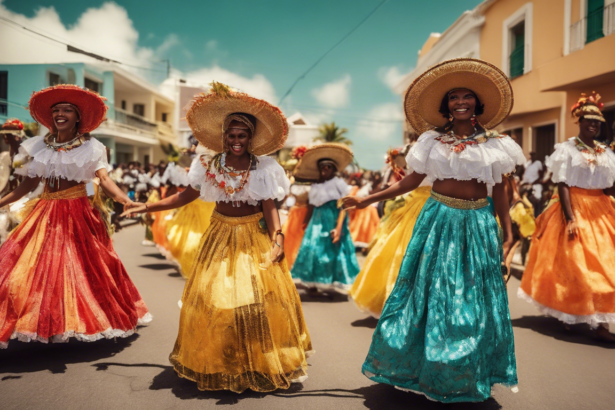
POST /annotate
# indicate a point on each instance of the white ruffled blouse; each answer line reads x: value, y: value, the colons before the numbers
x: 176, y: 175
x: 486, y: 161
x: 331, y: 190
x: 582, y: 169
x: 80, y: 164
x: 267, y: 181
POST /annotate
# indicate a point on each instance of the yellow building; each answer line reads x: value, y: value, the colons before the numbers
x: 553, y: 50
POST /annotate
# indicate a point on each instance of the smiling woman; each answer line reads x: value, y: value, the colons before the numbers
x: 60, y: 276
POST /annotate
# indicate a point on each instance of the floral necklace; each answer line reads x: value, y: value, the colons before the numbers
x: 51, y: 142
x: 458, y: 144
x: 221, y: 169
x: 591, y: 154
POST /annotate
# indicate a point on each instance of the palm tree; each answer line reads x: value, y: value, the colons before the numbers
x: 332, y: 133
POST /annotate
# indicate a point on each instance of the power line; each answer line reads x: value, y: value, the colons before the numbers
x: 302, y: 76
x: 74, y: 49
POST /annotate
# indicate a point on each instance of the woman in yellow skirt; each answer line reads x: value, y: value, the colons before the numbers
x: 570, y: 273
x: 241, y: 323
x: 377, y: 278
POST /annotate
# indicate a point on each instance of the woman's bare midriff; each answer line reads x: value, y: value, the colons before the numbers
x: 228, y: 209
x: 60, y: 185
x: 469, y: 190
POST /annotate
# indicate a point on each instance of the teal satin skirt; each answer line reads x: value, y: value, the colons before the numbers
x: 445, y: 330
x: 321, y: 263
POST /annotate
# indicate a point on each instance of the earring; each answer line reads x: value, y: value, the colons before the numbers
x: 450, y: 118
x: 250, y: 146
x: 474, y: 120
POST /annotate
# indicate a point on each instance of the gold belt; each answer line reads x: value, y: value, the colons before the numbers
x: 459, y: 203
x: 237, y: 220
x: 75, y: 192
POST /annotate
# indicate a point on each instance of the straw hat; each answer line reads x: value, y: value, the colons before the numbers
x: 588, y: 107
x: 307, y: 169
x: 91, y: 106
x: 489, y: 83
x: 208, y: 111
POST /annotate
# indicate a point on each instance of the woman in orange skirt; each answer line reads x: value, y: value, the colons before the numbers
x: 294, y: 228
x: 363, y: 223
x: 59, y: 274
x: 570, y: 273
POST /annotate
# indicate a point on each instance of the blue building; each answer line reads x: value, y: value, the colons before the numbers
x: 139, y: 119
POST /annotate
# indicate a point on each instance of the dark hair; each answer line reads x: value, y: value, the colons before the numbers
x: 327, y: 160
x: 478, y: 110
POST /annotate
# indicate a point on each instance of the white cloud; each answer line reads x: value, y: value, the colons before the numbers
x: 107, y: 31
x: 391, y: 76
x: 257, y: 85
x: 335, y: 94
x: 211, y: 45
x: 382, y: 122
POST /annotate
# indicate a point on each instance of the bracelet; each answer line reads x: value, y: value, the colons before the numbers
x: 146, y: 207
x: 278, y: 245
x: 278, y: 232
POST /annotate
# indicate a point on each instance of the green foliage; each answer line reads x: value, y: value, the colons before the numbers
x: 332, y: 133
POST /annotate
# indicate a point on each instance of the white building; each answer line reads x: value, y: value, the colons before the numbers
x: 181, y: 91
x: 300, y: 131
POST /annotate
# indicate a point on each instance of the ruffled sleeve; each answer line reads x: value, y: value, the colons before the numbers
x: 175, y: 175
x: 570, y: 166
x: 196, y: 174
x: 418, y: 155
x: 268, y: 181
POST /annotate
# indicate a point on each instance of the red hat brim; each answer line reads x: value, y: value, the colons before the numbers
x: 91, y: 106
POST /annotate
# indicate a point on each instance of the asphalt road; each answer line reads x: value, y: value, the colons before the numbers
x: 558, y: 369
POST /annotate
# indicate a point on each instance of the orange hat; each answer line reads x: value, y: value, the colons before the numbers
x: 588, y: 107
x: 91, y: 106
x: 13, y: 126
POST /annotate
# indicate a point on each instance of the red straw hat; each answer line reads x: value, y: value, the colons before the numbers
x: 92, y: 108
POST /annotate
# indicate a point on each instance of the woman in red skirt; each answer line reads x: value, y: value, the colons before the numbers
x: 59, y: 274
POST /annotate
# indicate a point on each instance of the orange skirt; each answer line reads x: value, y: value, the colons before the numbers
x: 573, y: 278
x: 363, y: 225
x: 293, y: 233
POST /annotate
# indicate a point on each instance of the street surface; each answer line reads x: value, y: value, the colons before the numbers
x: 558, y: 369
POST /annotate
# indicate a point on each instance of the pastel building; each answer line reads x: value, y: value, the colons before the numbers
x: 139, y: 120
x: 551, y: 50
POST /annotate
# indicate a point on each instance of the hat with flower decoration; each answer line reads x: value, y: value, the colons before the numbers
x: 13, y: 126
x: 588, y: 107
x: 208, y: 115
x: 307, y: 168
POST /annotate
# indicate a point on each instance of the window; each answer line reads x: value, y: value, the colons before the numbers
x: 92, y: 85
x: 516, y: 134
x: 139, y: 109
x: 595, y: 19
x: 517, y: 56
x: 517, y: 41
x: 164, y: 117
x: 544, y: 142
x: 54, y: 79
x: 4, y: 88
x: 124, y: 105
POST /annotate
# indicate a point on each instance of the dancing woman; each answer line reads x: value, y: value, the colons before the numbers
x: 445, y: 330
x: 326, y: 259
x: 241, y: 323
x: 59, y: 274
x: 570, y: 271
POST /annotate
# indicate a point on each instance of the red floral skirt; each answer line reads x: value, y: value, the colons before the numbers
x: 61, y: 278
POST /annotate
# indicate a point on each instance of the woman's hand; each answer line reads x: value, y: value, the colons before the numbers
x: 353, y: 202
x: 572, y: 228
x: 134, y: 208
x: 335, y: 235
x: 277, y: 249
x: 506, y: 246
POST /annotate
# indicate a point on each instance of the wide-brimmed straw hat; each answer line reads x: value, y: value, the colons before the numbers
x: 489, y: 83
x: 588, y: 107
x: 208, y: 111
x: 307, y: 168
x: 92, y: 108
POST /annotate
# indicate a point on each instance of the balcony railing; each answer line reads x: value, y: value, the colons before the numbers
x: 135, y: 121
x: 579, y: 35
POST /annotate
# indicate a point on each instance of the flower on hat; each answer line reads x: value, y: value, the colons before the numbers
x: 13, y: 123
x: 298, y: 152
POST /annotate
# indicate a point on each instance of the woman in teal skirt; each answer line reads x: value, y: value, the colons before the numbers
x: 326, y: 259
x: 445, y: 330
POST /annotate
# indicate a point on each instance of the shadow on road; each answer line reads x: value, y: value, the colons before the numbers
x: 376, y: 396
x: 32, y: 357
x: 321, y: 297
x: 154, y: 255
x: 369, y: 322
x: 552, y: 327
x: 158, y: 266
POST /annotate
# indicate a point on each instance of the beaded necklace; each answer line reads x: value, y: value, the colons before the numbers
x: 51, y: 142
x: 591, y: 154
x: 458, y: 144
x: 227, y: 172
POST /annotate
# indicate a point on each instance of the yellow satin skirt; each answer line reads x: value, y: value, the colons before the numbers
x: 293, y: 233
x: 184, y: 233
x: 377, y: 278
x: 241, y: 324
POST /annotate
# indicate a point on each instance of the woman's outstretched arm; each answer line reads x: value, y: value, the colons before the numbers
x: 409, y: 183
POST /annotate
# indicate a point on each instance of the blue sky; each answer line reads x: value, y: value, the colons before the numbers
x: 263, y: 46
